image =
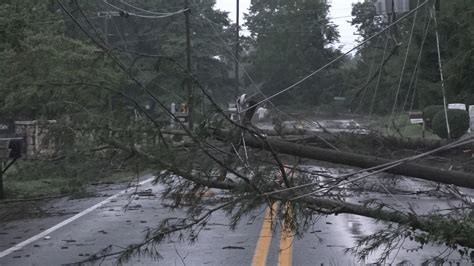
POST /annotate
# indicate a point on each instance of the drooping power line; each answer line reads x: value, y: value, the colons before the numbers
x: 339, y: 57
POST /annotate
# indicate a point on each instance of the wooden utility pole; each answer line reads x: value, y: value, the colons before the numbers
x: 107, y: 15
x: 106, y: 29
x: 188, y: 65
x: 2, y: 193
x: 440, y: 66
x: 4, y: 156
x: 237, y: 47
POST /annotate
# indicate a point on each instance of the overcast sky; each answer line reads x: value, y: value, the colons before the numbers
x: 340, y: 11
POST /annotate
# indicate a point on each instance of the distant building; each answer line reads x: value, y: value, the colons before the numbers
x: 325, y: 1
x: 385, y: 7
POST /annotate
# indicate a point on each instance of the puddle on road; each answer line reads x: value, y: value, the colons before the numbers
x: 357, y: 227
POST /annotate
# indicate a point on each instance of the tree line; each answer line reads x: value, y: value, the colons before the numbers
x: 108, y: 71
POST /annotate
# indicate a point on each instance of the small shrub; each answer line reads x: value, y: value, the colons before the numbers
x: 458, y: 123
x: 429, y: 113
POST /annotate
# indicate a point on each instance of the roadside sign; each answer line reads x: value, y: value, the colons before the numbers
x: 416, y: 117
x: 471, y: 116
x: 234, y: 116
x: 183, y: 117
x: 385, y: 7
x: 232, y: 107
x: 459, y: 106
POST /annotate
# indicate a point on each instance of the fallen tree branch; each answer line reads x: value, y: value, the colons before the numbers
x: 424, y: 223
x: 175, y: 170
x: 457, y: 178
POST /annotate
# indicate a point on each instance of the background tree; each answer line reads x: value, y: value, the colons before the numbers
x: 425, y: 82
x: 456, y: 28
x: 290, y: 39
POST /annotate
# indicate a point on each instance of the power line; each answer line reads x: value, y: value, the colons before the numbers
x: 339, y: 57
x: 143, y: 10
x: 145, y: 16
x: 165, y: 109
x: 414, y: 78
x: 403, y: 69
x: 379, y: 76
x: 211, y: 23
x: 139, y: 70
x: 443, y: 90
x: 369, y: 76
x: 59, y: 20
x: 376, y: 169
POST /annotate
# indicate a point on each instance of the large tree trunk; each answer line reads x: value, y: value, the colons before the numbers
x: 391, y: 142
x: 441, y: 227
x: 461, y: 179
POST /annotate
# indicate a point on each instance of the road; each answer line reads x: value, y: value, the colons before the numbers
x: 94, y: 224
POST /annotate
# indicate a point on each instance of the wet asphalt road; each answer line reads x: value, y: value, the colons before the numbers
x: 110, y: 224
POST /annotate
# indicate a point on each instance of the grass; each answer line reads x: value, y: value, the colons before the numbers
x: 40, y: 188
x: 36, y: 179
x: 122, y: 177
x: 401, y: 125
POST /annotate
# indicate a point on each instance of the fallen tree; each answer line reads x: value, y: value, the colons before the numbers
x: 406, y: 168
x: 192, y: 171
x: 441, y: 228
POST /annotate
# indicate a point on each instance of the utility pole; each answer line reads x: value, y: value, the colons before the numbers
x: 10, y: 151
x: 440, y: 65
x: 2, y: 193
x: 106, y: 29
x: 188, y: 65
x: 108, y: 15
x: 237, y: 47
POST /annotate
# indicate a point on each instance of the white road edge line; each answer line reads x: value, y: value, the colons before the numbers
x: 65, y: 222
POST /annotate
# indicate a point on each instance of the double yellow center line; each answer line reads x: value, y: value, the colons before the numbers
x: 285, y: 252
x: 265, y: 239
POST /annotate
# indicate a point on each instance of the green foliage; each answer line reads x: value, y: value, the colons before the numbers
x: 165, y: 39
x: 458, y: 123
x: 455, y: 29
x: 429, y: 113
x: 374, y: 86
x: 69, y: 175
x: 44, y: 73
x: 457, y: 37
x: 447, y: 230
x: 365, y: 19
x: 289, y: 40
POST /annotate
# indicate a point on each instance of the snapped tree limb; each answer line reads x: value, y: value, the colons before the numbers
x: 444, y: 176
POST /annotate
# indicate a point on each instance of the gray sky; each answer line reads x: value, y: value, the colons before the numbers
x: 340, y: 11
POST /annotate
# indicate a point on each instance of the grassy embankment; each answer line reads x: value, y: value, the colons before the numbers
x: 35, y: 179
x: 401, y: 127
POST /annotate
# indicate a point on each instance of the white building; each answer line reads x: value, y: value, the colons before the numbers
x: 385, y: 7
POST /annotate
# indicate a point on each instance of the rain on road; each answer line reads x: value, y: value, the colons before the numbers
x: 254, y: 242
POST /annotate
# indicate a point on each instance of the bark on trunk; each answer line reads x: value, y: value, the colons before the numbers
x: 424, y: 223
x: 334, y: 138
x: 457, y: 178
